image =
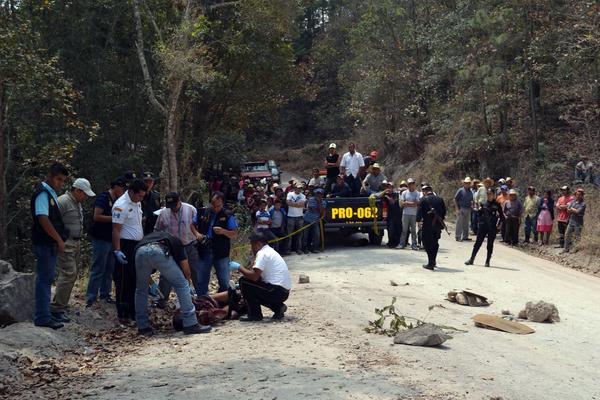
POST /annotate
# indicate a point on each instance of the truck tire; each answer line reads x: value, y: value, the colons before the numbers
x: 375, y: 239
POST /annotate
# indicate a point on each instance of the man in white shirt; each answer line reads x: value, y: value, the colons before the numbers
x: 295, y: 218
x: 351, y: 166
x: 584, y: 170
x: 127, y: 231
x: 267, y: 283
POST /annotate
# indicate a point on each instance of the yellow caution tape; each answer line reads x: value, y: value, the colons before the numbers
x: 373, y: 205
x: 320, y: 221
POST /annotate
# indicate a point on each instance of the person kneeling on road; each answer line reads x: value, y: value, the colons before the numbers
x: 164, y: 252
x: 268, y: 283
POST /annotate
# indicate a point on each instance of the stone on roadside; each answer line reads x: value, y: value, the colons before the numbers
x: 16, y: 295
x: 540, y: 312
x: 428, y: 335
x: 303, y: 279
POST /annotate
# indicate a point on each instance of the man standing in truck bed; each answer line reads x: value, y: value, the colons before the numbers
x: 351, y: 166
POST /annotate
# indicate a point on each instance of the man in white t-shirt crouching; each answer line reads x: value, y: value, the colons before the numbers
x: 268, y: 283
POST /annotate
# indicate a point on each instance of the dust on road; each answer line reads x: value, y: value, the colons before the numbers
x: 322, y: 351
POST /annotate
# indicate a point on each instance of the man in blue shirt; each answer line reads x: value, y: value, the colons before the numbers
x: 48, y: 234
x: 217, y: 227
x: 315, y: 209
x: 463, y: 203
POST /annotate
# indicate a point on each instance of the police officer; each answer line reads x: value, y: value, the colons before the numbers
x: 430, y: 216
x: 127, y: 231
x: 489, y: 221
x: 48, y: 235
x: 150, y: 203
x: 166, y: 253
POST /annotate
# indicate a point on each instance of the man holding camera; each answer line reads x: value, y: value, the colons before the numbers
x: 177, y: 218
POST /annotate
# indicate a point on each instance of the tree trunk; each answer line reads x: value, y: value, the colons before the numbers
x: 171, y: 139
x: 534, y: 124
x: 3, y: 224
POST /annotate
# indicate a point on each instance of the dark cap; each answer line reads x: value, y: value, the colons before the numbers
x: 171, y: 199
x: 129, y: 175
x: 258, y: 237
x: 148, y: 176
x: 120, y: 181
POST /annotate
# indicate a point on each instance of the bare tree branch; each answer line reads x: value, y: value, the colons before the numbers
x: 139, y: 44
x: 152, y: 20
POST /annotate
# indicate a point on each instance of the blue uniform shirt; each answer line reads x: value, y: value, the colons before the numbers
x: 41, y: 201
x: 231, y: 223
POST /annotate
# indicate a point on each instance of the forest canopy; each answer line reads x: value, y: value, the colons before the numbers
x: 178, y: 86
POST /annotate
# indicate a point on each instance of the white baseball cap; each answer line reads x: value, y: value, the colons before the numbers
x: 332, y: 146
x: 84, y: 185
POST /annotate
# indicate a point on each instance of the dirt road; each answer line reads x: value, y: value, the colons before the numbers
x: 321, y: 350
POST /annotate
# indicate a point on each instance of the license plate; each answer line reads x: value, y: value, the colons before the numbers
x: 340, y: 213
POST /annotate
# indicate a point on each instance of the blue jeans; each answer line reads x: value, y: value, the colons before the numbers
x: 311, y: 239
x: 151, y: 257
x: 221, y: 267
x: 194, y: 260
x: 531, y: 226
x: 103, y: 264
x: 44, y: 275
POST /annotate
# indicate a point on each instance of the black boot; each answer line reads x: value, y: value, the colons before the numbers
x: 469, y: 261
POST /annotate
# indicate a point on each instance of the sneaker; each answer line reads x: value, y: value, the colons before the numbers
x: 400, y: 247
x: 414, y: 247
x: 487, y: 264
x: 314, y: 251
x: 429, y: 267
x: 194, y: 329
x: 469, y: 261
x: 89, y: 303
x: 61, y: 317
x: 459, y: 240
x: 467, y: 239
x: 53, y: 324
x: 280, y: 314
x: 146, y: 331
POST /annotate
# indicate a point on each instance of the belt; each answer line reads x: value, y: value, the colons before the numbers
x: 157, y: 245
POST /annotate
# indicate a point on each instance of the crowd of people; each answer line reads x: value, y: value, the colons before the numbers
x: 134, y: 234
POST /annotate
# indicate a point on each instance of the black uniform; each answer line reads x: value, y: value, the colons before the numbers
x: 489, y: 214
x: 150, y: 203
x: 394, y: 218
x: 432, y: 211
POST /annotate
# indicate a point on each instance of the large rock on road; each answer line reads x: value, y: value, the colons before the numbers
x: 16, y: 295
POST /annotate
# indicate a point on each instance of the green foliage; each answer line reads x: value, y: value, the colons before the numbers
x: 395, y: 322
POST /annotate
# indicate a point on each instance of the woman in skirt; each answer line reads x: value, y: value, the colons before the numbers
x: 545, y: 218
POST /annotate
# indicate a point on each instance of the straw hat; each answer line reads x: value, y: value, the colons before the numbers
x: 488, y: 181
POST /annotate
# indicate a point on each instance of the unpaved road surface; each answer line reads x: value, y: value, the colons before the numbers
x: 321, y: 350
